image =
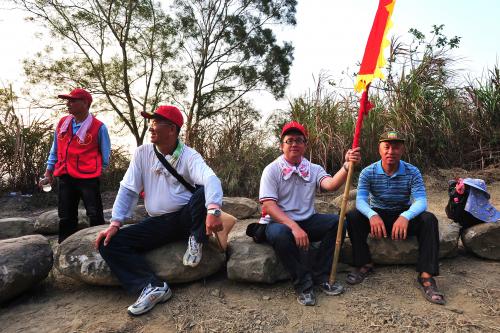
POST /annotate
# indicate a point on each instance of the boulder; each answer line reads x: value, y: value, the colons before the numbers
x: 16, y: 227
x: 388, y: 252
x: 77, y: 258
x: 48, y: 222
x: 239, y: 207
x: 24, y: 261
x: 324, y: 207
x: 139, y: 214
x: 253, y: 262
x: 483, y: 240
x: 351, y: 203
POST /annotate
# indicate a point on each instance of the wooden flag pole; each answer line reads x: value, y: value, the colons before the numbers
x: 340, y: 227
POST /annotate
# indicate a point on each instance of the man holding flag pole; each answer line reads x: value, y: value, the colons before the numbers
x: 287, y: 189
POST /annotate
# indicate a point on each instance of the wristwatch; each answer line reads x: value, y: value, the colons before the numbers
x: 215, y: 212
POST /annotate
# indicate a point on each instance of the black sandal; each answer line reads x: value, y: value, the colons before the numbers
x: 360, y: 275
x: 430, y: 290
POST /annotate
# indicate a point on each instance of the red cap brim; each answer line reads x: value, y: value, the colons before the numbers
x: 147, y: 115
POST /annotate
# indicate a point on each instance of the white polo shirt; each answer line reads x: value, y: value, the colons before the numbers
x: 294, y: 196
x: 163, y: 192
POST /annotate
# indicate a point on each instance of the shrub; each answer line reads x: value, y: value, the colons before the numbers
x: 24, y: 145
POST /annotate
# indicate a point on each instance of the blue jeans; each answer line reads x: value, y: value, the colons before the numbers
x: 124, y: 253
x: 305, y: 269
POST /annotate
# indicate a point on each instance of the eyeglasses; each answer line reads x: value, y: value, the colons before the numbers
x: 298, y: 141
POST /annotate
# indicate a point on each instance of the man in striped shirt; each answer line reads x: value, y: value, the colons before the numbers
x: 391, y: 202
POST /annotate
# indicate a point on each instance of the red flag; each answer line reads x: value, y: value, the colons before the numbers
x: 373, y: 60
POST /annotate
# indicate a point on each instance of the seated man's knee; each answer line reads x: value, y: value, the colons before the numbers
x: 228, y: 219
x: 429, y: 220
x: 278, y: 233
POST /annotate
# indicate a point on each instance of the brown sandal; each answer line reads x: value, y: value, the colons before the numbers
x: 360, y: 275
x: 430, y: 290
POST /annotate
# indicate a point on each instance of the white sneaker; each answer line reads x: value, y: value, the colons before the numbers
x: 150, y: 296
x: 192, y: 257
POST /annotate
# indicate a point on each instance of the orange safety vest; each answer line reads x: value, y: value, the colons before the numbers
x: 76, y: 158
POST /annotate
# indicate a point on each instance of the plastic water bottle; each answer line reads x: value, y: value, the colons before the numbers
x: 46, y: 185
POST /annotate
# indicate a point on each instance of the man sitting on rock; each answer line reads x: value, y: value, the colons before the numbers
x: 391, y: 201
x: 287, y: 189
x: 175, y: 212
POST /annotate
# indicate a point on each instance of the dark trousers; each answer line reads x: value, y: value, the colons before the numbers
x: 125, y: 252
x: 319, y: 227
x: 71, y: 190
x: 424, y: 227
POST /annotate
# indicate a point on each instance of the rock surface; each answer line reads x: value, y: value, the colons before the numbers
x: 387, y: 251
x: 351, y: 203
x: 252, y: 262
x: 48, y: 222
x: 324, y: 207
x: 239, y: 207
x: 16, y: 227
x: 483, y: 240
x: 77, y: 258
x: 24, y: 261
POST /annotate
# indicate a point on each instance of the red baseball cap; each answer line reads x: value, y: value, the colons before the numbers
x: 293, y: 125
x: 78, y: 93
x: 168, y: 112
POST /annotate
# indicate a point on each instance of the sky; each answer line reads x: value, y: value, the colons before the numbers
x: 329, y: 37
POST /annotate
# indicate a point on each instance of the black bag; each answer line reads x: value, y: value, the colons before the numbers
x: 257, y: 231
x: 455, y: 209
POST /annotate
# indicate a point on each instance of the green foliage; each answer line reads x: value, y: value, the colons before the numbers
x: 330, y: 118
x: 236, y: 149
x: 135, y: 56
x: 446, y: 125
x: 118, y: 165
x: 231, y: 49
x: 119, y: 50
x: 483, y: 100
x: 24, y: 145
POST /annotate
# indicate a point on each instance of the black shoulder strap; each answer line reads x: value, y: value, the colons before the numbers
x: 174, y: 173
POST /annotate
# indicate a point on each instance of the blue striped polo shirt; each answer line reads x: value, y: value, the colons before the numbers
x: 405, y: 188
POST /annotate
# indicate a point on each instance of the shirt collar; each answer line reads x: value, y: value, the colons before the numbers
x: 74, y: 124
x: 379, y: 170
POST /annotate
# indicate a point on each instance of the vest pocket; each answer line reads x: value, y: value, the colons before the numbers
x: 86, y: 165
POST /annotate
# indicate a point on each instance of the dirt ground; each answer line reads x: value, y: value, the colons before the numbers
x: 387, y: 301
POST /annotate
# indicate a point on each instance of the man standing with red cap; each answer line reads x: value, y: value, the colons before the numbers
x: 185, y: 207
x: 79, y: 153
x: 287, y: 189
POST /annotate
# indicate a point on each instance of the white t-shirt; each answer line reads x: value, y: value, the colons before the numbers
x: 162, y: 191
x: 294, y: 196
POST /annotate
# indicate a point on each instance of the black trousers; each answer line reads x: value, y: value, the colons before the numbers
x: 71, y: 190
x: 424, y: 227
x: 305, y: 269
x: 124, y: 253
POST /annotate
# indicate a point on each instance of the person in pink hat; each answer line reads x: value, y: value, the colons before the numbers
x: 80, y: 152
x: 287, y: 190
x: 183, y: 198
